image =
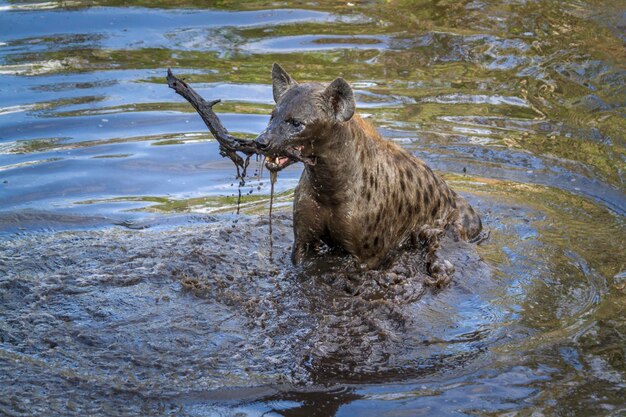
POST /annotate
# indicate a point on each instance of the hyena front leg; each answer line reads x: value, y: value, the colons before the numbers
x: 308, y: 226
x: 440, y: 270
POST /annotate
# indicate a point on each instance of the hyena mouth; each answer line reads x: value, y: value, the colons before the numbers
x: 289, y: 156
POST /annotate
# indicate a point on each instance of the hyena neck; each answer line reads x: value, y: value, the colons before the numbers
x: 340, y: 161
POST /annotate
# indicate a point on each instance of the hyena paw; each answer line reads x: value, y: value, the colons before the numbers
x: 440, y: 273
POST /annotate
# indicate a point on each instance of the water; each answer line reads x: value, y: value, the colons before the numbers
x: 129, y: 287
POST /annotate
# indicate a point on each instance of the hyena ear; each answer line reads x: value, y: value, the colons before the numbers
x: 281, y: 81
x: 340, y: 98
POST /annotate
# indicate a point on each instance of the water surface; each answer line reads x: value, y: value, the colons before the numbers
x: 128, y: 286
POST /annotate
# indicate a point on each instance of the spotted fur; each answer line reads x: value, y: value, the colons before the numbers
x: 363, y: 194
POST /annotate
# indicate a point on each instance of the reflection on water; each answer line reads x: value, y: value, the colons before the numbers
x: 128, y: 287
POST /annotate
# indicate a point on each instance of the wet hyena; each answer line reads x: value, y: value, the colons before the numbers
x: 358, y: 191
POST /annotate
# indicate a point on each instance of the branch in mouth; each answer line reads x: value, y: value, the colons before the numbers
x: 229, y: 145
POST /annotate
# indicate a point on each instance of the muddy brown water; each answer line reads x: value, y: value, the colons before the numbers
x: 129, y: 286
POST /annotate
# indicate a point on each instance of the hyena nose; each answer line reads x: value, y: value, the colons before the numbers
x: 263, y: 140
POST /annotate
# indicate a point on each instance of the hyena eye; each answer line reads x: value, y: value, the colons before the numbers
x: 294, y: 122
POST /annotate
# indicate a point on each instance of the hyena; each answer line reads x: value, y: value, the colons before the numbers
x: 358, y: 192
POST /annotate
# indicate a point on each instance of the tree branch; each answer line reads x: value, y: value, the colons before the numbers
x: 229, y: 145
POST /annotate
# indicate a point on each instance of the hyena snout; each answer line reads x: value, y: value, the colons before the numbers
x: 271, y: 142
x: 263, y: 140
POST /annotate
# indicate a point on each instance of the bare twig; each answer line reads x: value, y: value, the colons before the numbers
x: 229, y: 145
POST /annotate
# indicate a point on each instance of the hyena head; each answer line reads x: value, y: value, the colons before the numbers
x: 304, y: 114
